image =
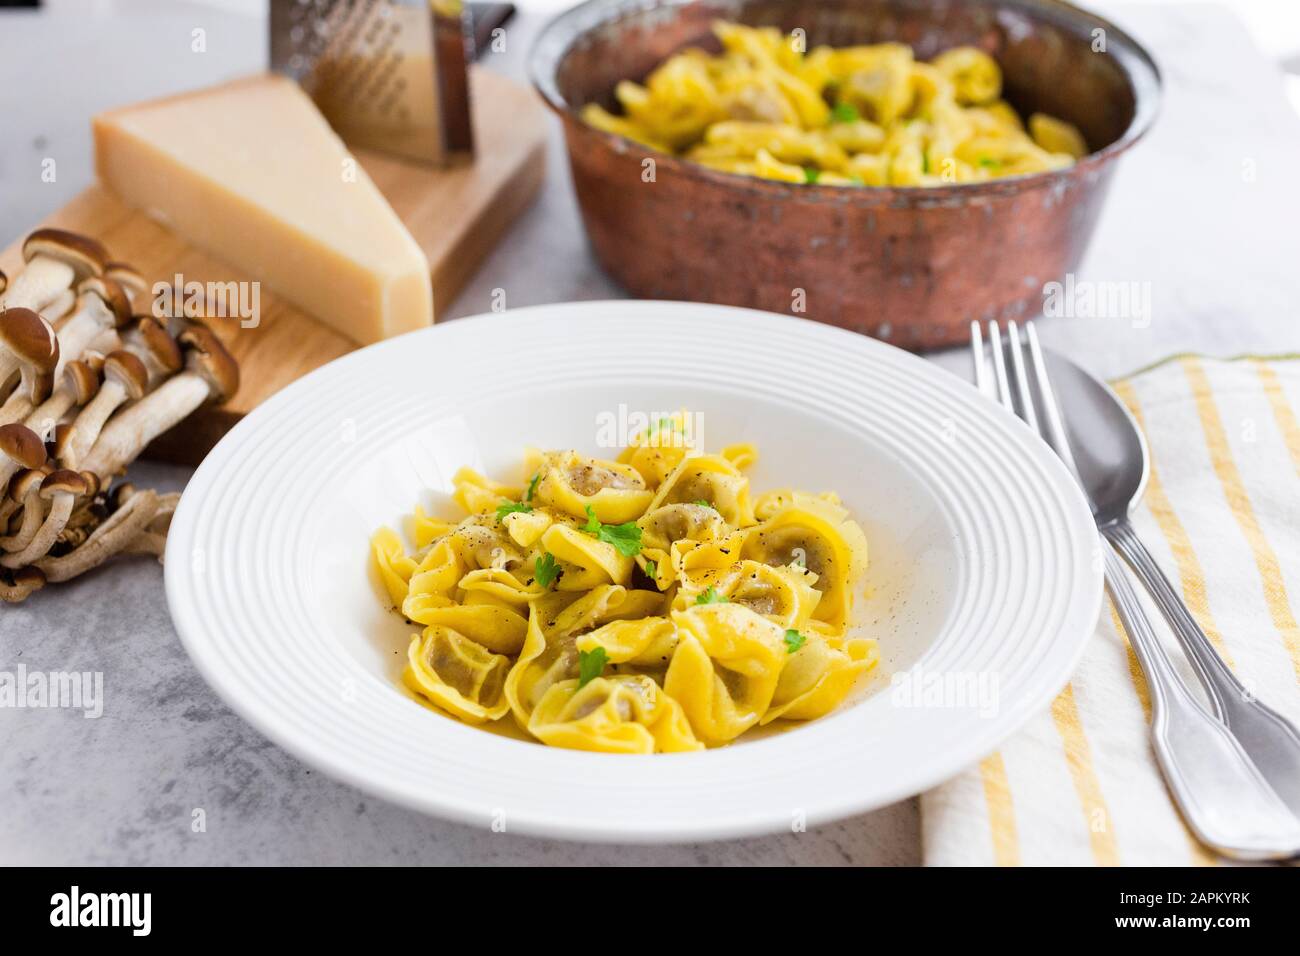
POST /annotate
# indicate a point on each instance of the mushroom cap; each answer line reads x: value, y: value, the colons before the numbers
x: 127, y: 371
x: 93, y: 484
x: 22, y: 445
x: 25, y: 482
x: 111, y: 294
x: 127, y: 276
x: 207, y: 357
x: 64, y: 481
x: 61, y: 441
x: 30, y: 338
x: 86, y: 256
x: 159, y: 344
x: 81, y: 378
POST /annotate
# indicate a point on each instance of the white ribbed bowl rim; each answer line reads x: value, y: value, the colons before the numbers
x: 1007, y: 495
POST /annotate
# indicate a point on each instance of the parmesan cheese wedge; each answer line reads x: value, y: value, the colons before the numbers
x: 251, y: 172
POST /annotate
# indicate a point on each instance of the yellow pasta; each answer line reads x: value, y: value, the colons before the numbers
x: 648, y: 604
x: 852, y: 116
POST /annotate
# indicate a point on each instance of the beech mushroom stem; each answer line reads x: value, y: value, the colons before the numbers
x: 147, y: 542
x: 61, y: 488
x: 39, y: 284
x: 33, y: 517
x: 25, y: 582
x: 125, y: 378
x: 56, y: 260
x: 60, y: 306
x: 102, y: 307
x: 126, y: 435
x: 121, y: 528
x: 78, y: 386
x: 210, y: 375
x: 35, y: 386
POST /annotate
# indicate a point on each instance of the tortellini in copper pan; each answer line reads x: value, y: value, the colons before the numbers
x: 644, y: 603
x: 855, y: 117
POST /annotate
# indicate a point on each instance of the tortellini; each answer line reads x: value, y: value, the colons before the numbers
x: 458, y: 674
x: 572, y: 483
x: 615, y: 715
x: 648, y: 604
x: 726, y: 668
x: 852, y: 116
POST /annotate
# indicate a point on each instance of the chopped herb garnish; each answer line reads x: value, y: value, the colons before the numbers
x: 703, y: 503
x: 511, y: 508
x: 546, y: 569
x: 711, y: 596
x: 811, y: 175
x: 625, y: 537
x: 925, y: 162
x: 590, y: 665
x: 793, y: 640
x: 988, y: 162
x: 661, y: 425
x: 845, y: 113
x: 652, y: 569
x: 532, y: 486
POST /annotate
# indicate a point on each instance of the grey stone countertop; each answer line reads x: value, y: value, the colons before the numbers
x: 1205, y: 212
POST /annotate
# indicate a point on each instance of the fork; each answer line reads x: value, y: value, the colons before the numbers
x: 1221, y: 794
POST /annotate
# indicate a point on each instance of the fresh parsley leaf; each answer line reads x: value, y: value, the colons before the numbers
x: 625, y: 537
x: 532, y: 486
x: 845, y: 113
x: 590, y: 665
x: 711, y: 596
x: 793, y: 640
x: 811, y: 175
x: 546, y: 569
x: 652, y: 569
x: 513, y: 507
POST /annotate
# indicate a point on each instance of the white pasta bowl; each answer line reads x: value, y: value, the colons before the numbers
x: 983, y: 584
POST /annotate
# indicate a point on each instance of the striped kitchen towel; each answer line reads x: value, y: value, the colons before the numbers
x: 1079, y: 785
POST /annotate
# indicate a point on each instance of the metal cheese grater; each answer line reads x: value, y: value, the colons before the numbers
x: 388, y: 74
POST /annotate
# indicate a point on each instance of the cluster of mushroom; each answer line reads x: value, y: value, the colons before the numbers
x: 85, y: 385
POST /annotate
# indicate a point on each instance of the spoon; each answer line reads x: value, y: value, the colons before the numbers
x: 1113, y: 462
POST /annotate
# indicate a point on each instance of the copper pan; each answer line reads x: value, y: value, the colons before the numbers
x: 910, y: 265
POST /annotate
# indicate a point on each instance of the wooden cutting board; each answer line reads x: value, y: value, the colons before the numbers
x: 456, y: 215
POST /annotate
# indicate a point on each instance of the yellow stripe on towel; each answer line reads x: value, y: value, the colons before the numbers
x: 1282, y: 413
x: 1078, y: 755
x: 1234, y: 489
x: 1002, y: 812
